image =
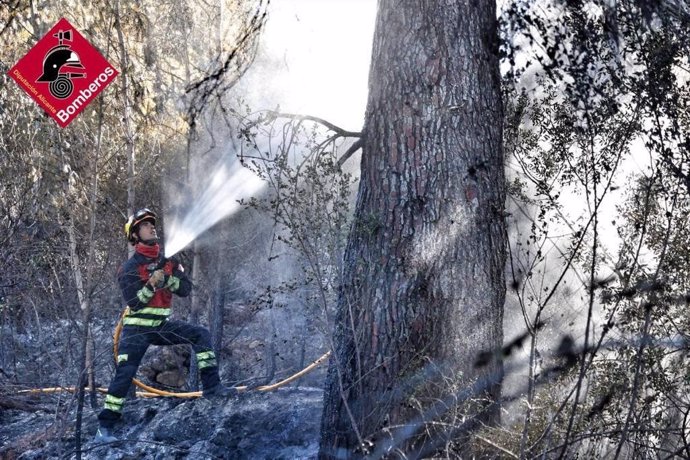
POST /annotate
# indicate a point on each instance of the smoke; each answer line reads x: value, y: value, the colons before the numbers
x: 303, y: 42
x: 227, y: 184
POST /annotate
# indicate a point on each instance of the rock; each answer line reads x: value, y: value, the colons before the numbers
x: 174, y: 378
x: 167, y: 366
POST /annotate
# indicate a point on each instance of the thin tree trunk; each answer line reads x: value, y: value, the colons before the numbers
x: 85, y: 289
x: 90, y: 348
x: 81, y: 380
x: 196, y: 262
x: 423, y: 283
x: 530, y: 392
x: 129, y: 133
x: 218, y: 311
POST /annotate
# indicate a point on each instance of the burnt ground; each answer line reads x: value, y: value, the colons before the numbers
x: 282, y: 424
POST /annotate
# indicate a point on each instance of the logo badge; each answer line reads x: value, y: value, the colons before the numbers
x: 63, y: 73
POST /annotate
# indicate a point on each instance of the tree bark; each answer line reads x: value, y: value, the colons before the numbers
x: 423, y: 285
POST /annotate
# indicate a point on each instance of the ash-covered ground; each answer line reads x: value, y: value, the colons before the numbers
x: 281, y: 424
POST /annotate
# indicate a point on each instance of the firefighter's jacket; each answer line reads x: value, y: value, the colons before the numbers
x: 150, y: 307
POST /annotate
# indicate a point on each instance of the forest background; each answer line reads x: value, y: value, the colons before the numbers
x: 596, y: 148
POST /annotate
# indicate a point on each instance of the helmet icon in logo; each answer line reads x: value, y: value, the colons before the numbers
x: 57, y: 64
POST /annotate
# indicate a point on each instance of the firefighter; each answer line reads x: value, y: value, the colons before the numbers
x: 148, y: 283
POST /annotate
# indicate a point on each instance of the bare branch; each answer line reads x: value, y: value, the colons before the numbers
x: 353, y: 148
x: 338, y: 130
x: 221, y: 79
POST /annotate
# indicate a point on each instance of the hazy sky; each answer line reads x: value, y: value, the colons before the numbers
x: 314, y: 59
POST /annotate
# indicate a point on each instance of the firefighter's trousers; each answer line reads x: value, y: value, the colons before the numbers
x: 133, y: 344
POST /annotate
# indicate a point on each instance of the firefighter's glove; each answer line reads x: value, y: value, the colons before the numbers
x: 157, y: 279
x: 172, y: 283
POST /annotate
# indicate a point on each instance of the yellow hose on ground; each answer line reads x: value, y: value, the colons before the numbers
x: 141, y: 394
x: 151, y: 392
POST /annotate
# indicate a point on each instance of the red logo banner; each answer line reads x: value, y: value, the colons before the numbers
x: 63, y: 73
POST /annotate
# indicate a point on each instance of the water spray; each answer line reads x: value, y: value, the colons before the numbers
x: 227, y: 185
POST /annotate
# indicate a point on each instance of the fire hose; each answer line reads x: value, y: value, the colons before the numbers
x: 151, y: 392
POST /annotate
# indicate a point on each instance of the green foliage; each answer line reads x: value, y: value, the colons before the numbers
x: 608, y: 98
x: 309, y: 200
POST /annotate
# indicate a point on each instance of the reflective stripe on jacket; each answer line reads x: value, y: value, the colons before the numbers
x: 149, y: 308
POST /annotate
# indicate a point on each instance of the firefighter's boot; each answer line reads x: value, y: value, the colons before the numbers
x: 105, y: 435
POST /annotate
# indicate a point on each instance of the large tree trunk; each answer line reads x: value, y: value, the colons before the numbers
x: 423, y: 286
